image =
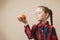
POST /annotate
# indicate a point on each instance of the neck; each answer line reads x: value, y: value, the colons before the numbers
x: 43, y: 22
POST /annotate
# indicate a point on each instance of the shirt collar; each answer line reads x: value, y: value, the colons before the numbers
x: 45, y: 24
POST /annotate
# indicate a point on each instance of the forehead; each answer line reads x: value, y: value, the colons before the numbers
x: 39, y: 9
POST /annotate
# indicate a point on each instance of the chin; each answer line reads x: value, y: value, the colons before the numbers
x: 38, y: 19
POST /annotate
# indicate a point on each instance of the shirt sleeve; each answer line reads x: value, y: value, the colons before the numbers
x: 30, y: 32
x: 54, y: 35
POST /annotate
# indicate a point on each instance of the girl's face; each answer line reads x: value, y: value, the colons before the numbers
x: 40, y: 14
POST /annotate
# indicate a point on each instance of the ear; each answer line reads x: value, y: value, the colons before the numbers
x: 47, y: 15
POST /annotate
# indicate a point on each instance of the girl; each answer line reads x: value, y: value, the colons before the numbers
x: 43, y: 30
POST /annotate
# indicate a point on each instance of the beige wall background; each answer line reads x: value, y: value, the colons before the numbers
x: 12, y: 29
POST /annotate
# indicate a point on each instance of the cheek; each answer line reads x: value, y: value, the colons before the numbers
x: 43, y: 17
x: 39, y: 16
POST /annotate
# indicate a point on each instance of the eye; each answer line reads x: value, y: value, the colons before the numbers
x: 38, y: 12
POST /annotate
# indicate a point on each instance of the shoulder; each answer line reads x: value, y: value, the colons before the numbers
x: 52, y: 27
